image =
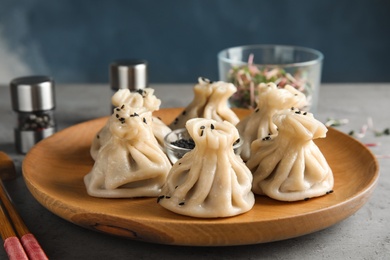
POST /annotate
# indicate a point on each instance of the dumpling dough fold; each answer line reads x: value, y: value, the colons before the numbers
x: 210, y: 181
x: 130, y: 162
x: 259, y: 124
x: 290, y: 166
x: 210, y: 102
x: 143, y: 98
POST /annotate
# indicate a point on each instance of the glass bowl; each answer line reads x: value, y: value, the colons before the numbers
x: 300, y: 67
x: 176, y: 152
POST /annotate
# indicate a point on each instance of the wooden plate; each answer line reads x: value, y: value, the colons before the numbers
x: 55, y: 167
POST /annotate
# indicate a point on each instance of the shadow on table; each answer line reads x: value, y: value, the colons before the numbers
x: 8, y: 148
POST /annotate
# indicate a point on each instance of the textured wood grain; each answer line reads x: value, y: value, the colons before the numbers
x: 7, y: 167
x: 6, y: 229
x: 54, y: 171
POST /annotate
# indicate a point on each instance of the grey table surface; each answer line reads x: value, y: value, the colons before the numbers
x: 364, y: 235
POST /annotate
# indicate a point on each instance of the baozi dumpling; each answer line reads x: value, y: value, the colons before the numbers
x: 130, y: 163
x: 259, y: 124
x: 143, y: 98
x: 210, y: 181
x: 289, y: 166
x: 210, y: 102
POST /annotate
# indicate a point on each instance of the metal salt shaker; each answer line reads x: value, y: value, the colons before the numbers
x: 129, y: 74
x: 33, y: 100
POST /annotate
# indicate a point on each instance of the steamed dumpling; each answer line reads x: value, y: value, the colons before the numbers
x: 210, y: 181
x: 270, y: 101
x: 143, y: 98
x: 130, y: 162
x: 210, y: 102
x: 289, y: 166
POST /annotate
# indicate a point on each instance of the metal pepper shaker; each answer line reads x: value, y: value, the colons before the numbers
x: 33, y: 100
x: 129, y: 74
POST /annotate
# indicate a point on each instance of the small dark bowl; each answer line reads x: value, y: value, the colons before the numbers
x: 175, y: 152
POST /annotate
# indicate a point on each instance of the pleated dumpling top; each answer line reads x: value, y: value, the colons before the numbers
x: 210, y: 181
x: 289, y: 166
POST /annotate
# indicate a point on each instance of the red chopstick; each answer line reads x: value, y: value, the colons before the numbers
x: 12, y: 245
x: 29, y: 242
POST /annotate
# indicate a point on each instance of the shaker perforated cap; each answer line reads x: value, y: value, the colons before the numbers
x: 131, y: 74
x: 32, y: 93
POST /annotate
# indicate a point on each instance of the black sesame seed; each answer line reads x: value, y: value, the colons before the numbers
x: 122, y: 106
x: 97, y: 136
x: 181, y: 203
x: 134, y: 115
x: 167, y: 197
x: 257, y: 110
x: 160, y: 198
x: 298, y: 112
x: 117, y: 116
x: 184, y: 143
x: 202, y: 127
x: 201, y: 133
x: 184, y: 113
x: 118, y: 109
x: 212, y: 126
x: 306, y: 199
x: 292, y: 108
x: 206, y: 80
x: 144, y: 119
x: 176, y: 187
x: 305, y: 113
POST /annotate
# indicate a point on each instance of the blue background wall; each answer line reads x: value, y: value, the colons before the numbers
x: 75, y: 40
